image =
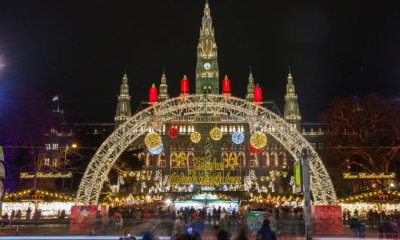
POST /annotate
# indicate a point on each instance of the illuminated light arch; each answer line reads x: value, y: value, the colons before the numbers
x: 211, y: 107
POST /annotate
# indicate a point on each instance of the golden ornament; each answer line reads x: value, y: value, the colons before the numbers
x: 231, y: 162
x: 216, y: 134
x: 195, y: 137
x: 258, y: 140
x: 152, y: 140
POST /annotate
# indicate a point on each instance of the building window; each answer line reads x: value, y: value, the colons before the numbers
x: 47, y: 146
x: 55, y: 162
x: 54, y: 146
x: 47, y: 161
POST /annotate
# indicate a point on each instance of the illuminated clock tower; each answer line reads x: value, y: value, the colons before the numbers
x: 207, y: 73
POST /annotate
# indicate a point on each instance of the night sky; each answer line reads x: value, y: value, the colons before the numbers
x: 79, y: 49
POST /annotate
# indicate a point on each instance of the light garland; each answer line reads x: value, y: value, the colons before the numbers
x: 365, y: 197
x: 195, y: 137
x: 152, y: 140
x: 31, y: 193
x: 216, y: 134
x: 156, y: 150
x: 238, y: 137
x: 258, y: 140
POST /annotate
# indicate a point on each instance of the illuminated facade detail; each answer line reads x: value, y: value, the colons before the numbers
x: 185, y: 110
x: 163, y: 88
x: 123, y: 111
x: 291, y: 111
x: 207, y: 71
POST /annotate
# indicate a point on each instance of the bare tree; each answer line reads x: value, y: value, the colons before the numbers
x: 365, y: 132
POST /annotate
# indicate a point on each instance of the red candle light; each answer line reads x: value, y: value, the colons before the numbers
x: 184, y: 85
x: 153, y: 97
x: 258, y: 94
x: 226, y: 85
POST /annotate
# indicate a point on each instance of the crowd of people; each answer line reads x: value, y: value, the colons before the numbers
x: 27, y: 217
x: 387, y: 225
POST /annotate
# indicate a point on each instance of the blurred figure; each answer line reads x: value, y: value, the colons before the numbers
x: 28, y: 213
x: 220, y: 233
x: 362, y: 229
x: 273, y: 224
x: 265, y: 232
x: 355, y: 225
x: 242, y: 233
x: 117, y: 220
x: 4, y: 219
x: 18, y: 215
x: 395, y: 228
x: 12, y: 217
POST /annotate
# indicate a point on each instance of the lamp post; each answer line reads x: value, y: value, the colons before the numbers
x: 67, y: 148
x: 306, y: 192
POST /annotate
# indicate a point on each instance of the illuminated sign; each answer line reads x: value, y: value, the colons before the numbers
x: 363, y: 175
x: 31, y: 175
x: 215, y: 180
x: 200, y: 165
x: 297, y: 175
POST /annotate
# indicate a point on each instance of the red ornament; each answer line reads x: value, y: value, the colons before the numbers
x: 258, y: 94
x: 153, y: 96
x: 184, y: 85
x: 253, y: 149
x: 173, y: 132
x: 226, y: 85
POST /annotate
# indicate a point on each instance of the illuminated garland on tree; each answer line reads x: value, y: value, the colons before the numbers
x: 173, y: 132
x: 156, y: 150
x: 216, y: 134
x: 258, y: 140
x: 152, y: 140
x: 238, y: 137
x: 195, y: 137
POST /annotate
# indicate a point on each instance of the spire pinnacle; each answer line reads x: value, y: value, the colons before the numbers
x: 123, y: 111
x: 226, y: 76
x: 291, y: 110
x: 163, y: 87
x: 184, y: 77
x: 153, y: 85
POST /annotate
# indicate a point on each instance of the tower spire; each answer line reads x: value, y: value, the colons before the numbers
x: 291, y: 111
x: 123, y: 111
x: 163, y: 87
x: 207, y: 71
x: 250, y: 87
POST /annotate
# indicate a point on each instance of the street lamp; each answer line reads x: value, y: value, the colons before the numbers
x: 305, y: 169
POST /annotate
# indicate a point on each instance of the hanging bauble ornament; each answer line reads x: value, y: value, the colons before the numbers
x: 237, y: 137
x: 254, y: 150
x: 156, y: 150
x: 216, y: 134
x: 152, y: 140
x: 195, y: 137
x: 172, y: 132
x: 258, y: 140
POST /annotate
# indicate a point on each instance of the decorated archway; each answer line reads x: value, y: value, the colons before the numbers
x: 198, y: 107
